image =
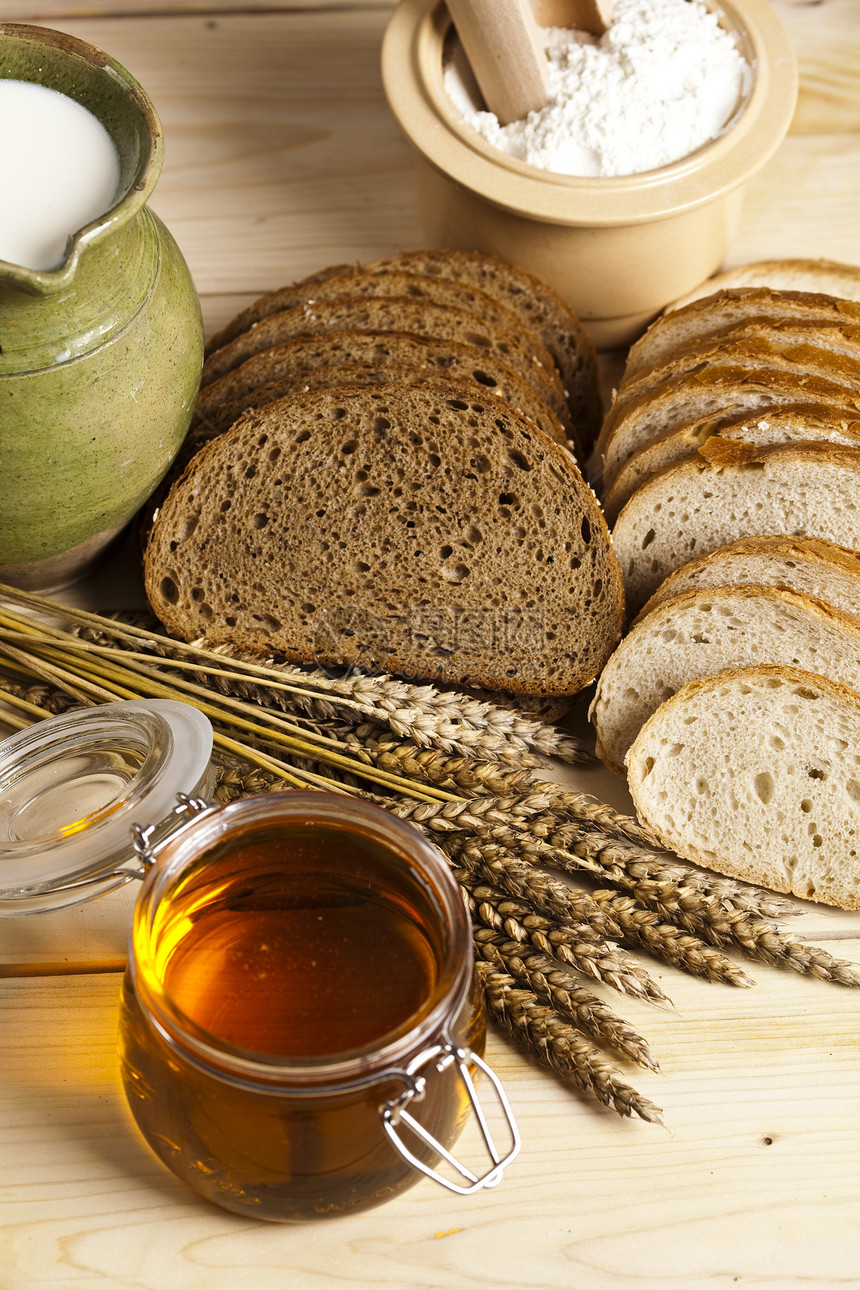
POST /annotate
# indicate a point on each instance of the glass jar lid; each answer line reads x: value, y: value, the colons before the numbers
x: 73, y: 787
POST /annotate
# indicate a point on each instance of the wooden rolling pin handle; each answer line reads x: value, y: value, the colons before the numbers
x: 502, y: 42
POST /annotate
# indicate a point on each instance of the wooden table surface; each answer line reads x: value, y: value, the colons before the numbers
x: 281, y: 158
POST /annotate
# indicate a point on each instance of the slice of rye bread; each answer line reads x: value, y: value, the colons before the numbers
x: 811, y: 566
x: 713, y: 391
x: 827, y: 277
x: 508, y: 387
x: 754, y: 773
x: 378, y: 349
x: 732, y: 490
x: 702, y: 632
x: 707, y: 316
x: 405, y: 286
x: 407, y: 529
x: 827, y: 350
x: 789, y: 424
x: 398, y: 314
x: 536, y: 303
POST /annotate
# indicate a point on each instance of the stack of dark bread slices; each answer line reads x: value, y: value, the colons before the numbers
x: 729, y: 464
x: 383, y: 473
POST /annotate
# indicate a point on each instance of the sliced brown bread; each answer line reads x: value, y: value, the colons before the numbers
x: 413, y: 529
x: 713, y: 391
x: 754, y: 773
x: 826, y: 350
x: 509, y: 387
x: 732, y: 490
x: 539, y: 307
x: 400, y: 314
x: 811, y: 566
x: 828, y: 277
x: 702, y: 632
x: 788, y: 424
x: 712, y: 315
x: 256, y: 381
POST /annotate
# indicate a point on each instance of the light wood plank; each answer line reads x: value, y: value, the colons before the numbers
x: 753, y: 1179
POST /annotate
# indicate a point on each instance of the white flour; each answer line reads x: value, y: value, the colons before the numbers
x: 663, y: 80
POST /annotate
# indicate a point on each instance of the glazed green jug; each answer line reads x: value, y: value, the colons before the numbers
x: 100, y: 357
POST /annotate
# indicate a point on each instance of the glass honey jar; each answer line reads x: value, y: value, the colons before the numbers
x: 300, y: 1025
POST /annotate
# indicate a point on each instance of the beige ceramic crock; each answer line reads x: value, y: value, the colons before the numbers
x: 617, y: 249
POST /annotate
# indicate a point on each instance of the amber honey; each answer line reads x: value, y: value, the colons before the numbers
x: 284, y: 973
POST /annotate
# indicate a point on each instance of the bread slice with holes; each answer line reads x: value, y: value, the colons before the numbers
x: 823, y: 570
x: 538, y: 306
x: 697, y: 633
x: 828, y: 277
x: 762, y: 359
x: 400, y: 314
x: 732, y: 490
x: 791, y: 423
x: 755, y: 773
x: 358, y: 355
x: 714, y: 315
x: 419, y: 530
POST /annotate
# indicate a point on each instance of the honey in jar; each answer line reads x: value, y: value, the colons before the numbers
x: 300, y: 973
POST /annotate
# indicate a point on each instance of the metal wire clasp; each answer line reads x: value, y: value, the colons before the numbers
x: 395, y: 1115
x: 146, y: 848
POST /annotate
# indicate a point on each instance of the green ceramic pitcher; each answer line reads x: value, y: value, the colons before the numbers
x: 100, y: 357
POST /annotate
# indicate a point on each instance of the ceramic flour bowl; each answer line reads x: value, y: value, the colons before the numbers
x: 100, y: 357
x: 617, y: 249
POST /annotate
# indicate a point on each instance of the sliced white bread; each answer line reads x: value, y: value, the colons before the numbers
x: 698, y: 633
x: 756, y: 773
x: 713, y: 391
x: 732, y: 490
x: 401, y: 314
x: 810, y: 566
x: 413, y: 529
x: 831, y: 353
x: 715, y: 314
x: 829, y: 277
x: 790, y: 423
x: 538, y: 306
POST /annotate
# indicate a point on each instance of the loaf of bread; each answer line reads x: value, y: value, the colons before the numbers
x: 701, y: 632
x: 815, y: 568
x: 538, y: 306
x: 790, y: 423
x: 756, y: 773
x: 829, y: 277
x: 420, y: 530
x: 732, y: 490
x: 709, y: 316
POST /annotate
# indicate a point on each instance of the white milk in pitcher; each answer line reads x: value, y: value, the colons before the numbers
x: 59, y: 169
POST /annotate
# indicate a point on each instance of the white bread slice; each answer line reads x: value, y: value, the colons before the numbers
x: 732, y: 490
x: 791, y: 423
x: 698, y: 633
x: 712, y: 392
x: 829, y: 277
x: 823, y: 570
x: 759, y: 350
x: 756, y: 773
x: 709, y: 315
x: 415, y: 529
x: 538, y: 306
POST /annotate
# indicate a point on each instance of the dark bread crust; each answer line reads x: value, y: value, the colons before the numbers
x: 538, y: 306
x: 415, y: 529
